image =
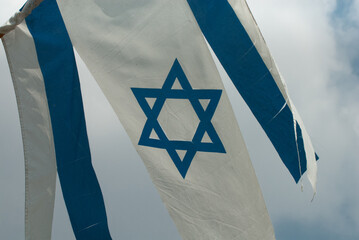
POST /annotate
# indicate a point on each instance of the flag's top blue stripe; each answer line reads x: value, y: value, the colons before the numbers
x: 244, y: 65
x: 81, y: 190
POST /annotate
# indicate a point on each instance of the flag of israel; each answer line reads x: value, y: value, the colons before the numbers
x: 152, y: 62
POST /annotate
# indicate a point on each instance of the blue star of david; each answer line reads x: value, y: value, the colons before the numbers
x: 204, y: 114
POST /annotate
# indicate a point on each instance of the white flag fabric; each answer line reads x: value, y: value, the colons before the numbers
x: 39, y: 152
x: 151, y: 60
x: 153, y: 50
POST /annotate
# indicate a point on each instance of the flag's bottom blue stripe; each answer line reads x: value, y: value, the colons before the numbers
x: 80, y: 187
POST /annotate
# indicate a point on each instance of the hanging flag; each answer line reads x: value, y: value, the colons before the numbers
x: 152, y: 62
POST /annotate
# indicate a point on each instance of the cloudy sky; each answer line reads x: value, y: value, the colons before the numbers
x: 315, y: 46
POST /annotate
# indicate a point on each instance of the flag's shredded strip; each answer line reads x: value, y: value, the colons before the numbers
x: 253, y: 79
x: 80, y: 187
x: 244, y: 14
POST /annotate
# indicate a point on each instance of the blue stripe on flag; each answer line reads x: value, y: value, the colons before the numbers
x: 81, y: 190
x: 243, y: 64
